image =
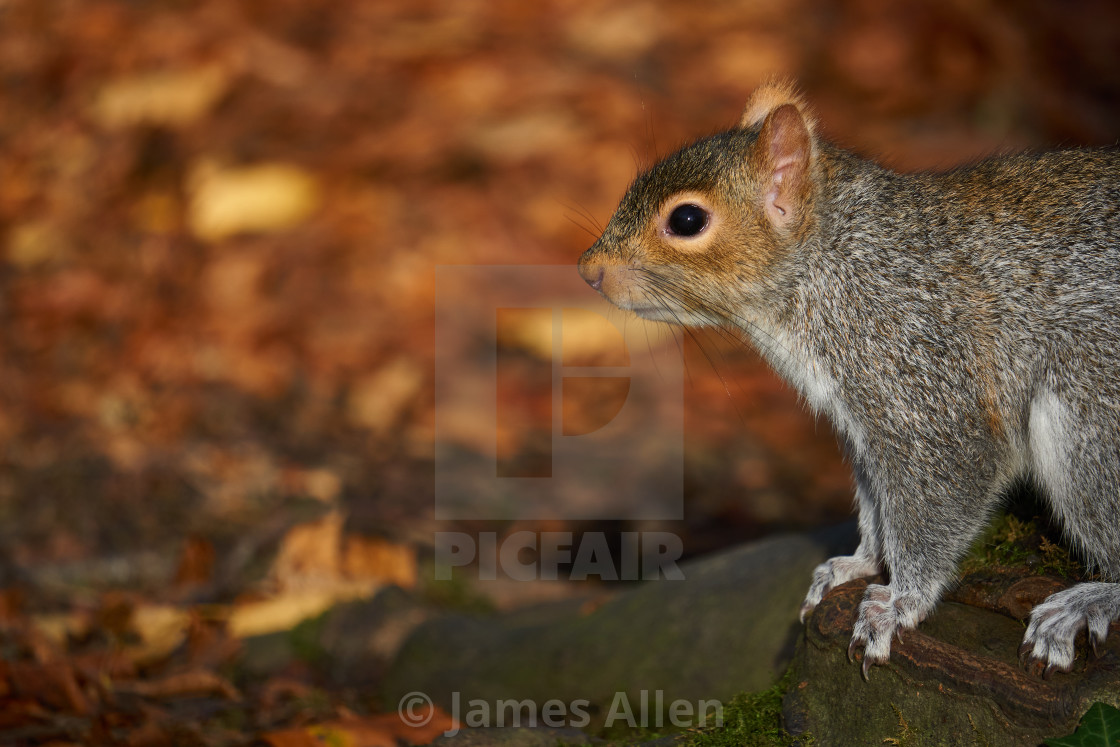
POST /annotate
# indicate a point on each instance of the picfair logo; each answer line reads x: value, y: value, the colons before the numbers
x: 550, y: 403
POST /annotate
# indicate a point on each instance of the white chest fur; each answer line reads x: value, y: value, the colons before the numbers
x: 809, y: 376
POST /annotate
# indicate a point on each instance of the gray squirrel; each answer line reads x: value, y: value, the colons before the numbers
x: 960, y: 329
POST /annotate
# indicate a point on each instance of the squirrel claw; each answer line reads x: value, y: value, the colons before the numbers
x: 1025, y: 648
x: 1095, y: 642
x: 866, y: 668
x: 852, y: 650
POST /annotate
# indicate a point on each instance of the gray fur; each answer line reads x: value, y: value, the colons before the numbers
x: 961, y: 330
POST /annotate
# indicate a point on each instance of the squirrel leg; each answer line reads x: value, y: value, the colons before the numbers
x: 842, y: 569
x: 923, y: 537
x: 884, y: 612
x: 1073, y: 456
x: 1057, y: 621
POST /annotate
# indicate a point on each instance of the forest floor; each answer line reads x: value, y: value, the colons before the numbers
x: 219, y: 225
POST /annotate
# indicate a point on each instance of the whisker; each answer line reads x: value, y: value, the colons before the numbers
x: 699, y: 345
x: 585, y: 214
x: 672, y: 333
x: 685, y: 295
x: 582, y: 227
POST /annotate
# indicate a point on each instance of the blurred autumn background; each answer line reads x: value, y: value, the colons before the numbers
x: 220, y: 222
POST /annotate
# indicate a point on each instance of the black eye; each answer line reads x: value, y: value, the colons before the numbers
x: 687, y: 220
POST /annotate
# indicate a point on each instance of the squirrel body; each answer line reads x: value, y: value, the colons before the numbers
x: 960, y: 329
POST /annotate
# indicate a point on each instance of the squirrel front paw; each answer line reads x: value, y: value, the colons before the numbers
x: 832, y: 573
x: 882, y: 615
x: 1056, y: 622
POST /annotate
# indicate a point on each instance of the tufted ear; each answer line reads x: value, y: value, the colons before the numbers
x: 768, y: 97
x: 782, y: 158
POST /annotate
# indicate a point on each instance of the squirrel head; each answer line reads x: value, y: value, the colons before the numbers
x: 701, y: 234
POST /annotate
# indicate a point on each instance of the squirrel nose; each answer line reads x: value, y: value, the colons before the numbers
x: 593, y: 274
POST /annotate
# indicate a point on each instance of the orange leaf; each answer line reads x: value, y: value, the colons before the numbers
x: 380, y: 560
x: 384, y: 730
x: 196, y: 563
x: 53, y: 684
x: 309, y: 554
x: 184, y: 684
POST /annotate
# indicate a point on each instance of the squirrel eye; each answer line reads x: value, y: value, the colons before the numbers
x: 687, y: 220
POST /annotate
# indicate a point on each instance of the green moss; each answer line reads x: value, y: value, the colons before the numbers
x: 750, y: 720
x: 454, y: 594
x: 625, y: 735
x: 306, y: 641
x: 1014, y: 542
x: 907, y: 735
x: 233, y: 718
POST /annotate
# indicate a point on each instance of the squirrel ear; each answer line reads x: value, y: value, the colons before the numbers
x: 782, y: 159
x: 768, y: 97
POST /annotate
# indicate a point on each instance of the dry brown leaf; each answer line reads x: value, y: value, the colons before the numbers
x: 162, y: 628
x: 5, y: 681
x: 378, y: 400
x: 533, y: 134
x: 315, y: 569
x: 323, y: 484
x: 21, y: 712
x: 292, y: 738
x: 278, y: 689
x: 621, y: 31
x: 288, y: 610
x: 432, y: 725
x: 57, y: 628
x: 310, y: 554
x: 36, y: 243
x: 587, y: 337
x: 53, y: 684
x: 380, y: 560
x: 115, y: 665
x: 264, y: 198
x: 149, y: 734
x: 171, y: 98
x: 185, y: 684
x: 385, y: 730
x: 196, y: 563
x: 231, y: 284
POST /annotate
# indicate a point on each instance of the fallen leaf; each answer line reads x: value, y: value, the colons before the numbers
x: 149, y: 734
x: 384, y: 730
x: 58, y: 628
x: 36, y: 243
x: 171, y: 98
x: 162, y: 628
x: 310, y: 554
x: 323, y: 484
x: 587, y: 337
x: 264, y: 198
x: 616, y: 32
x: 379, y: 559
x: 286, y: 611
x: 293, y: 738
x: 22, y: 712
x: 378, y: 400
x: 196, y: 563
x: 278, y: 689
x: 525, y: 136
x: 193, y: 683
x: 94, y: 666
x: 53, y: 684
